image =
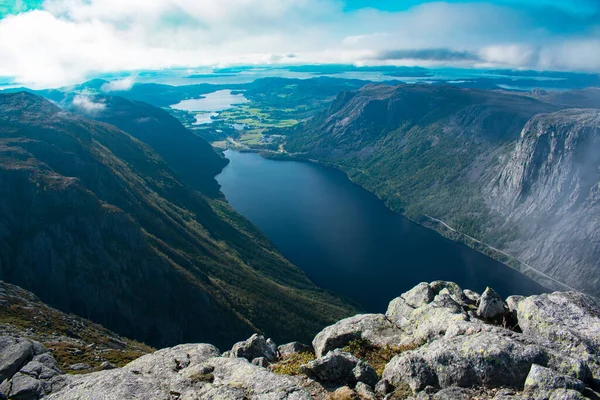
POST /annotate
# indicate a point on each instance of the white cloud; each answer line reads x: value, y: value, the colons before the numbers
x: 119, y: 85
x: 71, y: 40
x: 85, y: 103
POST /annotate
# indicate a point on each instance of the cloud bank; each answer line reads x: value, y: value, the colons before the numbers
x: 67, y: 41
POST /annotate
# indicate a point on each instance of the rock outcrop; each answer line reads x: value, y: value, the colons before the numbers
x: 432, y: 345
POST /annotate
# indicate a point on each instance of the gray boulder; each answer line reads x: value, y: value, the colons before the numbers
x: 419, y: 296
x: 256, y: 346
x: 491, y: 306
x: 569, y: 320
x: 426, y: 322
x: 364, y: 391
x: 544, y: 379
x: 498, y: 358
x: 14, y: 354
x: 286, y: 350
x: 340, y: 367
x: 374, y: 328
x: 80, y: 367
x: 183, y: 372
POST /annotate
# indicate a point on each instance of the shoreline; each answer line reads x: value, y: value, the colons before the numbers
x: 438, y: 226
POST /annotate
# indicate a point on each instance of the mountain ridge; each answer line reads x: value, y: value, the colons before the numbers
x: 427, y: 151
x: 94, y: 222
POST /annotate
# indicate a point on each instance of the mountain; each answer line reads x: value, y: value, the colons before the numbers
x: 188, y: 155
x: 549, y: 186
x: 94, y: 222
x: 430, y: 153
x: 435, y: 341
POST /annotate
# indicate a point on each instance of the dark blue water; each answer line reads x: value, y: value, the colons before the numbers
x: 346, y: 240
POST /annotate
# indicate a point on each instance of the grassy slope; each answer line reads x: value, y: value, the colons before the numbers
x: 222, y: 278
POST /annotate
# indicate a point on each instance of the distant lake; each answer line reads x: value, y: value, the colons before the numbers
x: 346, y: 240
x: 211, y: 103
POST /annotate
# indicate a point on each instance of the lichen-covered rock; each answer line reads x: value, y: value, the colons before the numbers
x: 569, y: 320
x: 427, y: 322
x: 183, y: 372
x: 419, y: 296
x: 496, y: 358
x: 565, y: 394
x: 544, y: 379
x: 491, y: 306
x: 374, y: 328
x: 256, y: 346
x: 340, y: 367
x: 286, y: 350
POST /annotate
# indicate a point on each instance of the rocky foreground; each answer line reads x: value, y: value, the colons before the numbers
x: 435, y: 341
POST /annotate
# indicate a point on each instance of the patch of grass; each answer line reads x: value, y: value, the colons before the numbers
x: 402, y: 392
x: 291, y: 365
x: 376, y: 356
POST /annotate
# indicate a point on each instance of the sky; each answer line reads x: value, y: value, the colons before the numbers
x: 48, y: 43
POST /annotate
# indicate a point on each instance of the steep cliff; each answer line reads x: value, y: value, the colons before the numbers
x: 549, y: 186
x: 95, y: 223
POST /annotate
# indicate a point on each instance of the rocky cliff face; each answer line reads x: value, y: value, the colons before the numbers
x: 435, y: 342
x: 94, y: 222
x: 549, y: 186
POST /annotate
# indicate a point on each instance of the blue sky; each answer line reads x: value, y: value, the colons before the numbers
x: 52, y: 42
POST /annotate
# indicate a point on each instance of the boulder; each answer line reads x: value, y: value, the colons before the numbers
x: 256, y: 346
x: 14, y: 354
x: 340, y: 367
x: 80, y: 367
x: 107, y: 365
x: 452, y: 289
x: 569, y: 320
x: 183, y: 372
x: 373, y: 328
x: 427, y: 322
x: 491, y: 306
x: 286, y: 350
x: 23, y: 386
x: 419, y: 296
x: 364, y: 391
x: 545, y: 379
x: 498, y: 358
